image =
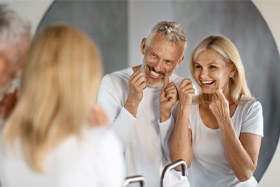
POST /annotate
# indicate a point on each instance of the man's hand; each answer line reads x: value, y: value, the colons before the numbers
x: 137, y: 83
x: 168, y: 98
x: 8, y: 104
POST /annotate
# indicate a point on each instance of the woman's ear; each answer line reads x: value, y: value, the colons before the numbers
x: 143, y: 45
x: 232, y: 70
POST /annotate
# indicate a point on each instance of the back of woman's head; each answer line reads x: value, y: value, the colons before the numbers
x: 59, y: 85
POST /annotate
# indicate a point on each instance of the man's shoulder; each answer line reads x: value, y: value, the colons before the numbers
x: 124, y: 74
x: 176, y: 78
x: 120, y: 77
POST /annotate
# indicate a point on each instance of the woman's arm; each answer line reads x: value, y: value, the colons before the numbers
x: 242, y: 152
x: 181, y: 138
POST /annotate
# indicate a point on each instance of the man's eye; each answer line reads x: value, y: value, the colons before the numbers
x: 153, y: 55
x: 197, y: 66
x: 168, y: 62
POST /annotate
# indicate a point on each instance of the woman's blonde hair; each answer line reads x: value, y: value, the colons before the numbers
x: 59, y: 86
x: 239, y: 90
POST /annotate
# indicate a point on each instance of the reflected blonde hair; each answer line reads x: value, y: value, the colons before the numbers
x: 59, y: 86
x: 239, y: 90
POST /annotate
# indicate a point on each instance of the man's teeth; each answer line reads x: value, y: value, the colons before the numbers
x: 207, y: 82
x: 155, y: 74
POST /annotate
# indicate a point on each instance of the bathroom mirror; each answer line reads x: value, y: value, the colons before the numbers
x: 118, y: 27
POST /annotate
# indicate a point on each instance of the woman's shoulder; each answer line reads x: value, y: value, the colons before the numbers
x: 250, y: 105
x: 101, y: 135
x: 93, y: 143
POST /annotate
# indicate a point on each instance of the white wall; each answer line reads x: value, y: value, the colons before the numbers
x: 33, y: 14
x: 270, y: 9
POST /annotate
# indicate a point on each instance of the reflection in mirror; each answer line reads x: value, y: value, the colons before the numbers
x: 119, y: 39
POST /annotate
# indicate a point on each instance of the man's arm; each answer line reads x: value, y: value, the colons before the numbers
x: 120, y: 120
x: 168, y: 98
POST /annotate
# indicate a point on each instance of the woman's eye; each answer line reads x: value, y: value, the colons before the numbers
x: 197, y: 66
x: 212, y: 67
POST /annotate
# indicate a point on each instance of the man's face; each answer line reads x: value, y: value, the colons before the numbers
x: 11, y: 62
x: 4, y: 71
x: 160, y: 59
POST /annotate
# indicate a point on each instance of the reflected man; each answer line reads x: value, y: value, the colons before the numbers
x: 140, y: 100
x: 14, y: 43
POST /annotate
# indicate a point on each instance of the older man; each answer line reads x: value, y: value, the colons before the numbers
x: 140, y: 100
x: 14, y: 43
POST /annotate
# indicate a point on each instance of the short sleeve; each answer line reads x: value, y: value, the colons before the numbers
x: 253, y: 118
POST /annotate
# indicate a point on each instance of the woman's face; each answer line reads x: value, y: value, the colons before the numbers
x: 212, y: 72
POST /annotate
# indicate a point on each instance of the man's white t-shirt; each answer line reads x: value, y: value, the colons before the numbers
x: 210, y: 167
x: 142, y: 137
x: 96, y: 160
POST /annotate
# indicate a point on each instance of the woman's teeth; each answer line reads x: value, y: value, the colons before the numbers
x: 207, y: 82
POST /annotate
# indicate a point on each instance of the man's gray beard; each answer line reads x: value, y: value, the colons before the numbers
x: 157, y: 84
x: 154, y: 85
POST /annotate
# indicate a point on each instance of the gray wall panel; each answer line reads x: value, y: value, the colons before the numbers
x: 104, y: 21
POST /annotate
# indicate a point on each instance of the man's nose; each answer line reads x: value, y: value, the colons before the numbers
x: 158, y: 65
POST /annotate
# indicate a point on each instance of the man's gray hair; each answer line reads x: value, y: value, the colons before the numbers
x: 13, y: 28
x: 171, y: 31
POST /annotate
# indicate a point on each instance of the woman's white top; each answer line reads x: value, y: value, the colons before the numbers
x: 94, y: 161
x: 210, y: 166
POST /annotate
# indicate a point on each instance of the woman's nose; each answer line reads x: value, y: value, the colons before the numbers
x: 203, y: 73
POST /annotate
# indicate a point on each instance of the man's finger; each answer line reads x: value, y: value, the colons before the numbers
x: 166, y: 82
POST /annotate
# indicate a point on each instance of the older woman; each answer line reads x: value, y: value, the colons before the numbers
x: 48, y: 139
x: 219, y: 131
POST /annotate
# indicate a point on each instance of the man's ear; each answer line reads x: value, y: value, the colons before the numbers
x: 143, y: 45
x: 180, y: 61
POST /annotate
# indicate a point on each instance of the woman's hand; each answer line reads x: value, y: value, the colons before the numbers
x: 98, y: 116
x: 219, y: 106
x: 8, y: 104
x: 186, y: 93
